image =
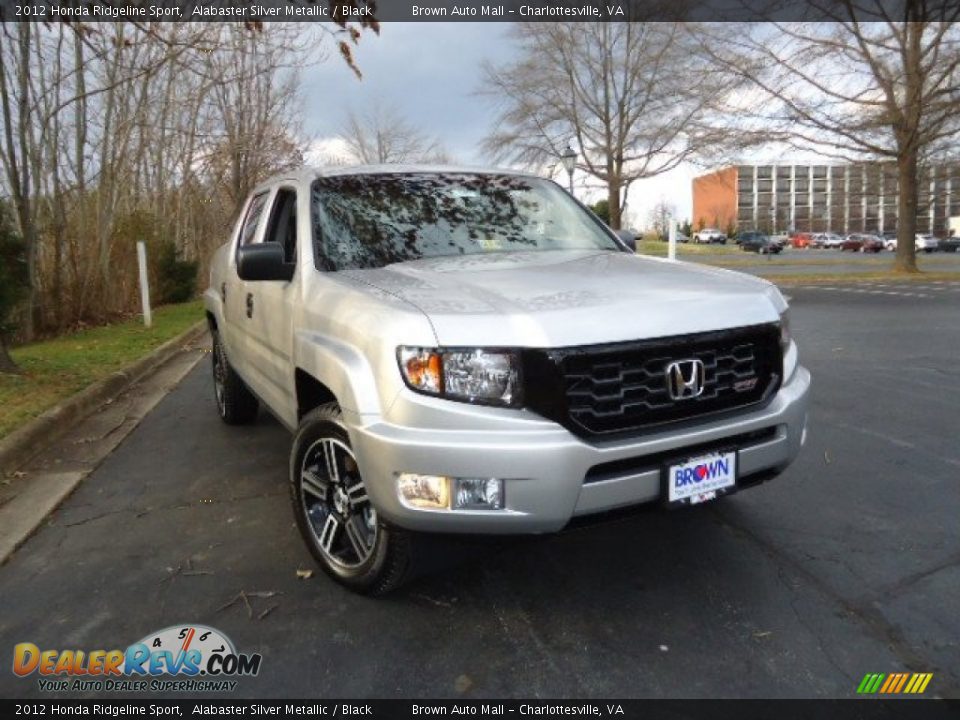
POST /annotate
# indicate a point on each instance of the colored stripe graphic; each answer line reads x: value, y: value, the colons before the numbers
x: 903, y: 680
x: 895, y: 683
x: 921, y: 682
x: 870, y: 683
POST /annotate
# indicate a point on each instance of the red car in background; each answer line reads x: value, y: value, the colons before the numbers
x: 862, y: 243
x: 801, y: 239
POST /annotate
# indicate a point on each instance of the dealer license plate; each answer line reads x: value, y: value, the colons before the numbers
x: 702, y: 478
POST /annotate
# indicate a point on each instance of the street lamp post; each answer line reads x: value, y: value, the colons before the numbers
x: 569, y: 160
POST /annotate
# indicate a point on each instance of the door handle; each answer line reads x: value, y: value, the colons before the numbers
x: 223, y: 292
x: 249, y: 305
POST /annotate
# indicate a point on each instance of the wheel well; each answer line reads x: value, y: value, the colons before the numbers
x: 211, y: 321
x: 311, y: 393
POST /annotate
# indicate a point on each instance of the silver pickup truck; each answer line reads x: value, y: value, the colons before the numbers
x: 472, y: 351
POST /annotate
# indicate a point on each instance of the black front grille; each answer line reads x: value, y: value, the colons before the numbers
x: 609, y: 390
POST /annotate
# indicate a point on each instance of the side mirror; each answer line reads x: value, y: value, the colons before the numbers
x: 627, y: 238
x: 263, y: 261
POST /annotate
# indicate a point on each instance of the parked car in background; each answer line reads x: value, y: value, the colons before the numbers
x: 759, y: 243
x: 950, y: 244
x: 889, y: 240
x: 748, y: 236
x: 709, y: 235
x: 826, y: 241
x: 801, y: 240
x: 781, y: 240
x: 859, y: 242
x: 926, y: 243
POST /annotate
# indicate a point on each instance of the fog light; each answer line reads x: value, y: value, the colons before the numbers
x: 427, y: 492
x: 478, y: 494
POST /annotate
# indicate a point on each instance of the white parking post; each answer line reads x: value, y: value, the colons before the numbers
x: 144, y: 283
x: 672, y: 240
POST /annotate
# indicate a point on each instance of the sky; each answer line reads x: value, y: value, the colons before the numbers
x: 430, y: 73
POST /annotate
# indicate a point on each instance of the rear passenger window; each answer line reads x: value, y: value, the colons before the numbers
x: 249, y: 228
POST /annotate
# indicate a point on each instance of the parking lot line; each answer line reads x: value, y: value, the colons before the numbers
x: 894, y: 290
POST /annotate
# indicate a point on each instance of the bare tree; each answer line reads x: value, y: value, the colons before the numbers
x: 627, y: 95
x: 255, y: 105
x: 21, y: 148
x: 660, y: 216
x: 851, y: 89
x: 381, y: 135
x: 115, y: 132
x: 38, y: 85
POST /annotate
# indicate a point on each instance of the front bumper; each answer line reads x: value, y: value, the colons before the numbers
x: 552, y: 476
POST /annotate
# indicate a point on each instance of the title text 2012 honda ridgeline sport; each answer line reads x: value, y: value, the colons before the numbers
x: 472, y: 351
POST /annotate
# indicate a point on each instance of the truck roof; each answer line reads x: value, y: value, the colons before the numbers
x: 307, y: 174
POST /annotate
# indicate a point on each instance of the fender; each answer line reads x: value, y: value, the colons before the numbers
x: 213, y: 304
x: 212, y: 299
x: 341, y: 367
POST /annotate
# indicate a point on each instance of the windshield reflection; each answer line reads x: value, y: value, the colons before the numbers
x: 369, y: 221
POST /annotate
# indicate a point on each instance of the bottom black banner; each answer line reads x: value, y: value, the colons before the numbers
x: 901, y: 709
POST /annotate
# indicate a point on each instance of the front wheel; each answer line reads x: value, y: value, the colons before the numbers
x: 333, y: 510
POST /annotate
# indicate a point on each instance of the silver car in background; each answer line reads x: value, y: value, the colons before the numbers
x: 926, y: 243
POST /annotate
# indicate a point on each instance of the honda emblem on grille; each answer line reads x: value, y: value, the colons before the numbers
x: 685, y: 379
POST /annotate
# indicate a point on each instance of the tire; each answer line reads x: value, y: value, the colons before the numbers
x: 236, y: 405
x: 336, y: 519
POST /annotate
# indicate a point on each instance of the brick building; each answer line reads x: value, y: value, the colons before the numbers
x: 821, y: 198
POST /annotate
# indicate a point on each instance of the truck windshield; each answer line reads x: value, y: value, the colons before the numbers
x: 369, y: 221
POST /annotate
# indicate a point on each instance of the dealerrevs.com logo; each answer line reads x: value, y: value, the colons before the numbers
x: 188, y: 658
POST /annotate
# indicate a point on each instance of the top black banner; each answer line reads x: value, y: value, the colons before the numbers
x: 367, y: 12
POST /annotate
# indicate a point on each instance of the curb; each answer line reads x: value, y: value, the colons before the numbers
x: 24, y: 444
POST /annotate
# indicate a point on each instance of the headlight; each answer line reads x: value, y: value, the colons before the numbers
x: 474, y: 375
x: 785, y: 330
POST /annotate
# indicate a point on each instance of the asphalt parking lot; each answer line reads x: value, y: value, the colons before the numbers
x: 848, y: 563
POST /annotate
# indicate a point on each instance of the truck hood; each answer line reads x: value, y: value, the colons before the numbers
x: 572, y: 297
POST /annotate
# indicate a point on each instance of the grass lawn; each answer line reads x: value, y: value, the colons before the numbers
x: 56, y: 369
x: 658, y: 248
